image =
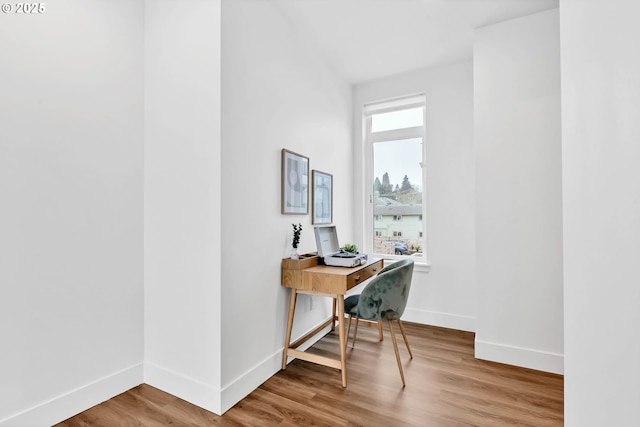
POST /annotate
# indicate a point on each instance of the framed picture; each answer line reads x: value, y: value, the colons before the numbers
x: 322, y: 198
x: 295, y: 183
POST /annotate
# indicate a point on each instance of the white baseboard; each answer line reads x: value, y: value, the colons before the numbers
x: 443, y: 320
x: 193, y: 391
x: 75, y: 401
x: 209, y: 397
x: 249, y: 381
x: 517, y: 356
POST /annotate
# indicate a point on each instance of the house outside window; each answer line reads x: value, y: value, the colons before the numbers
x: 395, y: 178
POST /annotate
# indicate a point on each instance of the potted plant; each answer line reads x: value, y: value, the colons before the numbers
x: 297, y: 229
x: 350, y: 247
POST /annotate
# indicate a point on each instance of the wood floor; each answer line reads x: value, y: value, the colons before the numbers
x: 446, y: 386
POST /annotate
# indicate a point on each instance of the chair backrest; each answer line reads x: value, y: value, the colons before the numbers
x: 385, y: 297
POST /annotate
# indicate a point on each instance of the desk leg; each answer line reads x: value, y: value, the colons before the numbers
x: 333, y: 321
x: 343, y: 339
x: 287, y: 340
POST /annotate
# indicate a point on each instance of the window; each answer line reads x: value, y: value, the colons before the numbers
x: 395, y: 179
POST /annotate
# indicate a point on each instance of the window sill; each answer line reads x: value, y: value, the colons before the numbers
x: 421, y: 266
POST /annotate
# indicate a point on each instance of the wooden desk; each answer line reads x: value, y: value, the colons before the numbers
x: 305, y: 276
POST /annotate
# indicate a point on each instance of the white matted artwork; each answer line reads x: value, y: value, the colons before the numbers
x: 322, y: 198
x: 295, y: 183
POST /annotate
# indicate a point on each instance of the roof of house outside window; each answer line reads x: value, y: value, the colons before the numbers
x: 387, y: 206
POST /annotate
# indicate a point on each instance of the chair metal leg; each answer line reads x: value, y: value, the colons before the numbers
x: 355, y: 332
x: 380, y: 330
x: 395, y: 347
x: 406, y: 342
x: 348, y: 332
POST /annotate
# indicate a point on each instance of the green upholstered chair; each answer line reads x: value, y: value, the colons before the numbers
x: 384, y: 298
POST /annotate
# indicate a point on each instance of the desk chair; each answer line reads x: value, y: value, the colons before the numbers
x: 384, y: 298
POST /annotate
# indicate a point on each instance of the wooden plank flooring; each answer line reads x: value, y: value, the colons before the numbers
x: 446, y: 386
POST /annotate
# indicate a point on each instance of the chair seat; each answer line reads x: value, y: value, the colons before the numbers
x: 350, y: 304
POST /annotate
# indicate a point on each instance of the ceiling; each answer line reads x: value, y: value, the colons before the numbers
x: 366, y: 40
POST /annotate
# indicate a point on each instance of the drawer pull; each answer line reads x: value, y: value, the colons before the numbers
x: 357, y: 278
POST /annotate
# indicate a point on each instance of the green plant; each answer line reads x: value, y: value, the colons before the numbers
x: 297, y: 229
x: 349, y: 247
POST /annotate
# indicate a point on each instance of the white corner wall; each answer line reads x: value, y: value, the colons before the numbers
x: 182, y: 220
x: 276, y: 93
x: 601, y: 130
x: 518, y: 192
x: 71, y: 212
x: 446, y: 295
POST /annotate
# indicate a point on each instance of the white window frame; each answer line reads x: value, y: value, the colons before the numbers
x: 370, y: 138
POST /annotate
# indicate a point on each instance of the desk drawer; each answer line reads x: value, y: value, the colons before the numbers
x: 360, y: 276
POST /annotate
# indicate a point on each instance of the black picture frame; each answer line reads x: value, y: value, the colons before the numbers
x: 295, y: 183
x: 322, y: 198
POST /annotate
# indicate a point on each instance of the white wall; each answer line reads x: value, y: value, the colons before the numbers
x: 71, y: 213
x: 445, y: 295
x: 182, y: 199
x: 275, y: 94
x: 518, y: 192
x: 600, y: 110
